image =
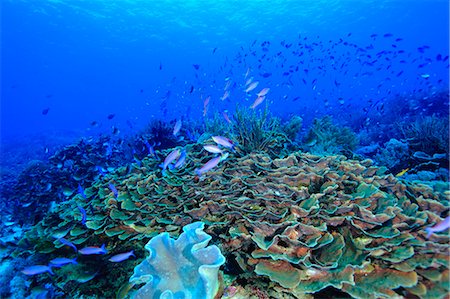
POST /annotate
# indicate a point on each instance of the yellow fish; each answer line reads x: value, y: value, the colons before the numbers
x: 402, y: 172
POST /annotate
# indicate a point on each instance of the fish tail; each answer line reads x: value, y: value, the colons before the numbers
x: 50, y: 270
x: 429, y: 232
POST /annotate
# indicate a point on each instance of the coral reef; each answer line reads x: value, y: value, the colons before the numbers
x: 258, y: 132
x: 394, y: 155
x: 326, y: 138
x: 298, y: 225
x: 429, y: 134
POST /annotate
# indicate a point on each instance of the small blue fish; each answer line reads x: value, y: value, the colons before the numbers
x: 37, y: 269
x: 61, y: 261
x: 81, y: 191
x: 122, y: 257
x: 68, y: 243
x: 113, y: 189
x: 150, y: 149
x: 83, y: 215
x: 93, y: 250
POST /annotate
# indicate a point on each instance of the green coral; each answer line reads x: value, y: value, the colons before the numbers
x: 429, y: 134
x: 257, y: 131
x: 326, y: 138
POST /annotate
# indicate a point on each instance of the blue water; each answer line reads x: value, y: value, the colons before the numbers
x: 84, y: 60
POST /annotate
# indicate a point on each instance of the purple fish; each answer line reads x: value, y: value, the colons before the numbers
x: 37, y: 269
x: 121, y: 257
x: 68, y: 243
x: 61, y: 261
x: 208, y: 166
x: 170, y: 158
x: 181, y: 160
x: 93, y: 250
x: 83, y: 215
x: 212, y: 148
x: 223, y: 141
x: 439, y: 227
x: 113, y: 189
x: 177, y: 128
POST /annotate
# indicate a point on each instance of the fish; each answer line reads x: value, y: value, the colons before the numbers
x: 225, y: 116
x: 177, y: 128
x: 257, y: 102
x: 223, y: 141
x: 45, y: 111
x: 252, y: 86
x: 439, y: 227
x: 150, y: 149
x: 196, y: 66
x: 263, y: 92
x: 225, y: 96
x: 208, y: 166
x: 181, y: 160
x: 205, y: 105
x: 61, y: 261
x: 113, y: 189
x: 402, y: 172
x: 93, y: 250
x: 121, y: 257
x: 170, y: 158
x: 81, y: 191
x: 111, y: 116
x: 83, y: 215
x: 212, y: 149
x: 68, y: 243
x: 37, y: 269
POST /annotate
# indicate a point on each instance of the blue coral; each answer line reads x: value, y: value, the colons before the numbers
x: 182, y: 268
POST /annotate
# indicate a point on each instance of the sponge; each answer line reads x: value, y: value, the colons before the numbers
x: 184, y: 268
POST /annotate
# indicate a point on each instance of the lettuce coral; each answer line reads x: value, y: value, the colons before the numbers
x: 182, y: 268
